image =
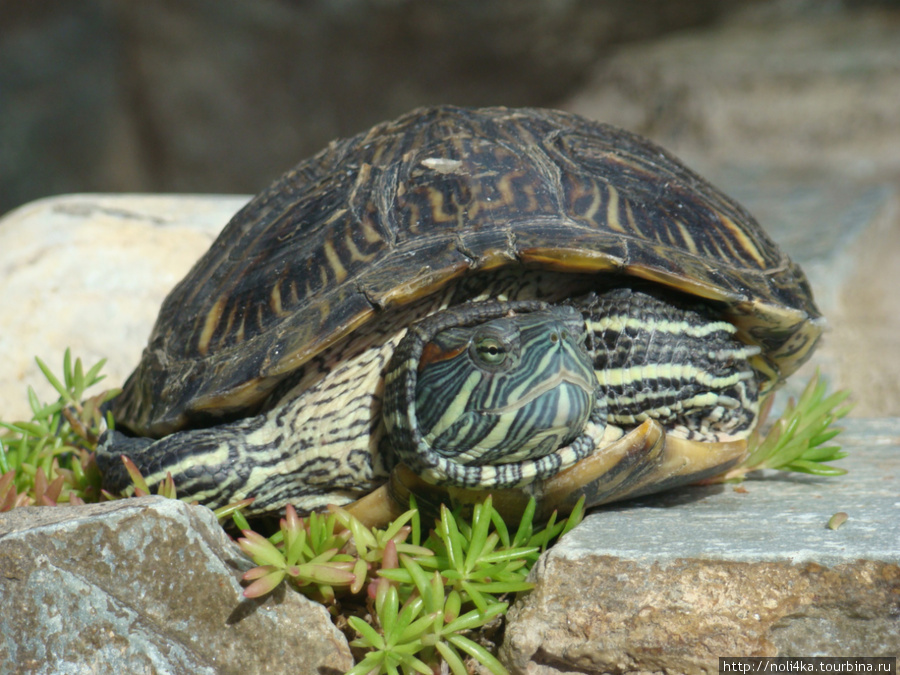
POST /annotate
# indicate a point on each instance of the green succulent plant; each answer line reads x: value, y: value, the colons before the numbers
x: 426, y: 600
x: 427, y: 595
x: 429, y: 627
x: 797, y: 440
x: 48, y: 460
x: 309, y: 555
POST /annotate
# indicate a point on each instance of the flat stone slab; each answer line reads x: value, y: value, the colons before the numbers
x: 775, y: 516
x: 671, y: 583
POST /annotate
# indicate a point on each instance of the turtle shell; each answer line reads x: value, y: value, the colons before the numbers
x: 395, y: 213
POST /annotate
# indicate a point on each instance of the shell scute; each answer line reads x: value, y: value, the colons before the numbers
x: 617, y: 184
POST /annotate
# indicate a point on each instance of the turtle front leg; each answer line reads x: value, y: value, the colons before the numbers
x: 257, y: 457
x: 663, y: 358
x: 643, y: 461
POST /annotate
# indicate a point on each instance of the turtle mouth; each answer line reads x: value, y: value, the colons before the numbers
x: 564, y: 376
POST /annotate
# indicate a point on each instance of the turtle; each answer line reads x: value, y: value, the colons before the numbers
x: 466, y: 300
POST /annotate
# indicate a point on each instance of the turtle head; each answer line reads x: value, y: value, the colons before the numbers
x: 511, y: 389
x: 490, y: 398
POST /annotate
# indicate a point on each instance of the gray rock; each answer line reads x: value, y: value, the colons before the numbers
x: 90, y: 272
x: 798, y: 91
x: 669, y: 584
x: 146, y: 585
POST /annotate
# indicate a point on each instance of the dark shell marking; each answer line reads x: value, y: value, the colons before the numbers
x: 395, y: 213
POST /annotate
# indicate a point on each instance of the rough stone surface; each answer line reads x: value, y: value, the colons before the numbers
x: 669, y: 584
x: 145, y: 586
x: 802, y: 91
x: 90, y: 272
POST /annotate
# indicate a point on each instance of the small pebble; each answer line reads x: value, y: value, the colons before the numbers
x: 837, y: 520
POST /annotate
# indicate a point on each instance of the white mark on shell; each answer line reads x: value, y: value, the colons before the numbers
x: 442, y: 164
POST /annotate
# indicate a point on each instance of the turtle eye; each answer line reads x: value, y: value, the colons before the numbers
x: 490, y: 351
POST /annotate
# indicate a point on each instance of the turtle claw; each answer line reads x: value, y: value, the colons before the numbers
x: 641, y: 462
x: 381, y: 506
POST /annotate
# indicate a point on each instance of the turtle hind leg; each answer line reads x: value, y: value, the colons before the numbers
x: 188, y: 456
x: 113, y: 445
x: 252, y: 458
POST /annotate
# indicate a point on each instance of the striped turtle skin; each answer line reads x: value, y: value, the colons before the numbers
x: 483, y: 391
x: 269, y: 364
x: 492, y: 394
x: 650, y: 359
